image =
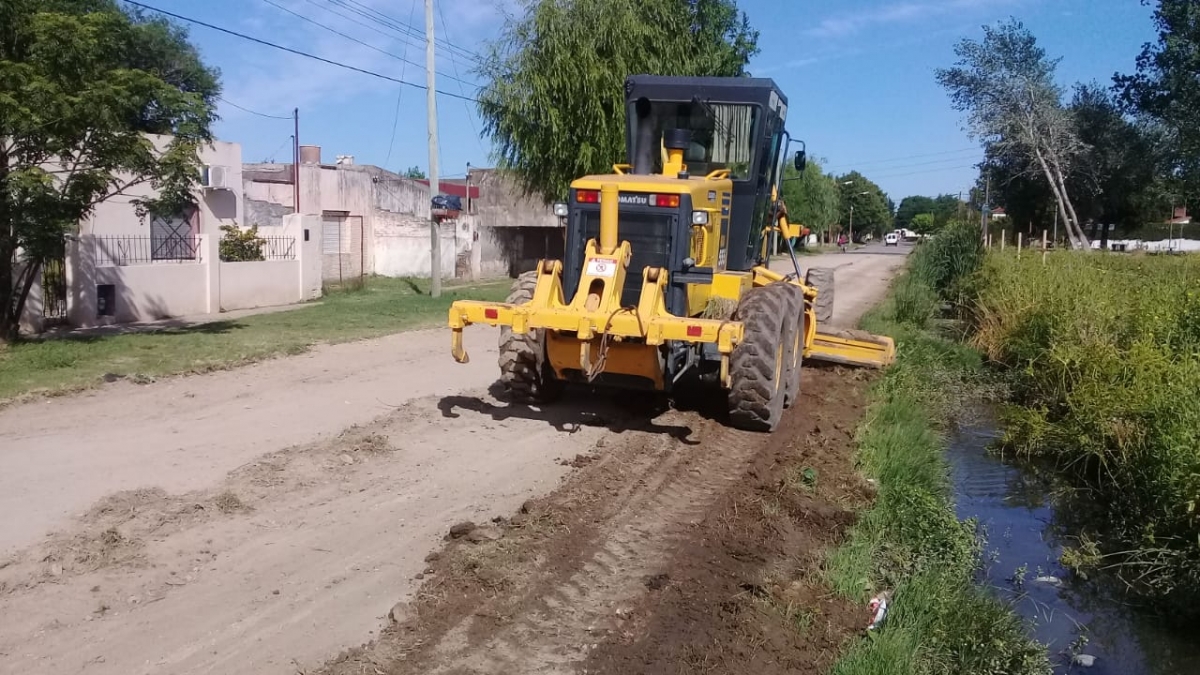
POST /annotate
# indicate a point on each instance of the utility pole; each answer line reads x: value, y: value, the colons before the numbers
x: 296, y: 162
x: 435, y: 248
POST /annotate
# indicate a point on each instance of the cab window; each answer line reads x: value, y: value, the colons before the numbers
x: 722, y: 135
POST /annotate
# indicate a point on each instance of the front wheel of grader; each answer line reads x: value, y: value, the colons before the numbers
x: 523, y: 369
x: 762, y: 363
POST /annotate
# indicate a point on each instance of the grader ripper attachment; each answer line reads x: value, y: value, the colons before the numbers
x: 665, y: 283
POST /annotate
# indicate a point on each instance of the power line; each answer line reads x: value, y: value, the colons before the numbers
x: 271, y: 157
x: 354, y: 39
x: 916, y: 164
x: 913, y: 173
x: 406, y: 39
x: 294, y: 51
x: 254, y: 112
x: 396, y: 114
x: 454, y: 63
x: 406, y: 29
x: 901, y: 159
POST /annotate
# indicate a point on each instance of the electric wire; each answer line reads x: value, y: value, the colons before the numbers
x: 355, y: 40
x: 295, y: 51
x: 253, y: 112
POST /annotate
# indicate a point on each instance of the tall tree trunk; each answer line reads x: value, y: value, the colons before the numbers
x: 1062, y: 186
x: 9, y: 322
x: 1060, y: 198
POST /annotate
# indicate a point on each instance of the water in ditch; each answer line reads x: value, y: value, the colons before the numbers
x: 1024, y: 541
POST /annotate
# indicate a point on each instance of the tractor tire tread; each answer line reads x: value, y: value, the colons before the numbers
x: 755, y: 398
x: 522, y: 356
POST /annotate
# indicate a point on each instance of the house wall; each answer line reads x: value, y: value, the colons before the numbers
x: 160, y: 290
x: 246, y: 285
x: 116, y: 215
x: 507, y: 234
x: 502, y: 203
x: 153, y: 292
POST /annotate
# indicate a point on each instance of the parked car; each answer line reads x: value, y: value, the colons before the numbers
x: 891, y: 239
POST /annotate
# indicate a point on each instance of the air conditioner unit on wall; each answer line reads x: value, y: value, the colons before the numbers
x: 213, y: 177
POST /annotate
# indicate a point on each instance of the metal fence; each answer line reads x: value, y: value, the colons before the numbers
x: 258, y: 249
x: 120, y: 250
x: 278, y: 248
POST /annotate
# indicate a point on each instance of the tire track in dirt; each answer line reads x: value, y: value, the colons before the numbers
x: 581, y: 567
x: 632, y: 546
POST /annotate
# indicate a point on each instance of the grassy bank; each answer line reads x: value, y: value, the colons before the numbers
x: 380, y: 307
x: 910, y: 541
x: 1103, y: 352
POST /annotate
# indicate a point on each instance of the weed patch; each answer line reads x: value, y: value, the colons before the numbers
x: 1102, y: 353
x: 909, y: 541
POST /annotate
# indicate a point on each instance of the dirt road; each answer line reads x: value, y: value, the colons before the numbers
x: 264, y: 519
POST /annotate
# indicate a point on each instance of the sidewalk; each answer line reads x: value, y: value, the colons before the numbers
x: 165, y: 324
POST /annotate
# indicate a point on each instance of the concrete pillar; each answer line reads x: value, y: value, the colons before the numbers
x: 210, y: 258
x: 81, y: 281
x: 307, y: 232
x: 33, y: 318
x: 476, y: 249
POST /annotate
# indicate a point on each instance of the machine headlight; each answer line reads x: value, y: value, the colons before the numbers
x: 561, y: 210
x: 699, y: 217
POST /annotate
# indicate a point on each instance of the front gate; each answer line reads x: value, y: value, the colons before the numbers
x: 54, y: 287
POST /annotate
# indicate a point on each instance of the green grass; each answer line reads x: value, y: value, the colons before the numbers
x: 910, y: 541
x: 1103, y: 354
x: 381, y: 306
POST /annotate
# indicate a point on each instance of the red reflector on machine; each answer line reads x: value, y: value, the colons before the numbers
x: 695, y: 331
x: 491, y: 314
x: 669, y: 201
x: 587, y: 196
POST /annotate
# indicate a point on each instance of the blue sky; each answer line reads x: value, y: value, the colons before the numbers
x: 859, y: 75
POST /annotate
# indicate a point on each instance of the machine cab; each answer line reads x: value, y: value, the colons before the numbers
x: 731, y: 132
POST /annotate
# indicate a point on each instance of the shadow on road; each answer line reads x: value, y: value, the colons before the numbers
x: 617, y: 412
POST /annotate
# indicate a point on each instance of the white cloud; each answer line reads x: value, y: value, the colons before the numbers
x: 908, y: 11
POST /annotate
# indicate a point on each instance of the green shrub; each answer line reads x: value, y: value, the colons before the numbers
x: 240, y: 245
x: 915, y: 302
x: 1103, y: 353
x: 948, y: 262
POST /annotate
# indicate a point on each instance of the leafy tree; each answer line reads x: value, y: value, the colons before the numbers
x: 553, y: 99
x: 81, y: 84
x: 1165, y: 87
x: 1117, y: 177
x: 414, y: 172
x: 912, y: 206
x: 812, y: 198
x: 872, y: 212
x: 1006, y: 85
x: 922, y: 223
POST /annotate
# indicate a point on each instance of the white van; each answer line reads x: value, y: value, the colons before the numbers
x: 891, y: 239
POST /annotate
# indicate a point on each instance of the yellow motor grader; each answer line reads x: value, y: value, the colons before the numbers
x: 666, y: 282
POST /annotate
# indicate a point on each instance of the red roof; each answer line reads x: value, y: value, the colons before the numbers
x: 453, y: 188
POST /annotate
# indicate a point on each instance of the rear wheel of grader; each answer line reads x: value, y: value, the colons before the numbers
x: 758, y: 366
x: 523, y: 369
x: 822, y: 279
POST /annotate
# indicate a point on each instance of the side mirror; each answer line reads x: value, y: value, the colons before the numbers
x: 801, y: 160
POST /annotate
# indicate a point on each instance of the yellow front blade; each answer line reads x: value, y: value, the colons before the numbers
x: 853, y: 348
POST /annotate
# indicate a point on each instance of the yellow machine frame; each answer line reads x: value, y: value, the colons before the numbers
x: 611, y: 337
